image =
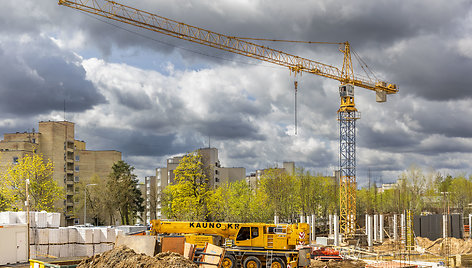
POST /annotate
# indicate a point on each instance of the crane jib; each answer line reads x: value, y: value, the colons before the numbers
x: 212, y: 225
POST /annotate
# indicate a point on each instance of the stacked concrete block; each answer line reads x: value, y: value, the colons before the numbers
x: 41, y: 219
x: 71, y: 241
x: 53, y: 220
x: 7, y: 217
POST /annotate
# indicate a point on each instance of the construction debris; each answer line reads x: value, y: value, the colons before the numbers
x: 124, y: 257
x: 337, y: 264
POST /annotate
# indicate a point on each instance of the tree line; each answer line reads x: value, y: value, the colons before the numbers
x: 288, y: 196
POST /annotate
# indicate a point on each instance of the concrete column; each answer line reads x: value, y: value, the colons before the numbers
x: 370, y: 241
x: 276, y: 219
x: 381, y: 228
x: 302, y: 218
x: 366, y: 222
x: 336, y: 230
x: 308, y: 219
x: 402, y: 226
x: 330, y: 224
x: 313, y: 227
x: 376, y: 225
x: 470, y: 225
x: 444, y: 226
x: 395, y: 227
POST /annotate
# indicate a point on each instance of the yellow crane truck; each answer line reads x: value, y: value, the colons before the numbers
x: 248, y: 245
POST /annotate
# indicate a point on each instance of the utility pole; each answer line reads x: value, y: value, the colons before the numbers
x: 27, y: 218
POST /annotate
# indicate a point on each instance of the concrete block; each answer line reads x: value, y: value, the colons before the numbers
x: 41, y: 219
x: 7, y: 217
x: 32, y: 235
x: 54, y: 236
x: 118, y: 233
x: 55, y: 250
x: 42, y: 251
x: 85, y: 236
x: 97, y: 249
x: 33, y: 252
x: 108, y: 235
x: 82, y: 250
x: 106, y: 247
x: 97, y: 235
x: 64, y: 251
x: 63, y: 235
x: 73, y: 233
x: 42, y: 236
x: 53, y: 220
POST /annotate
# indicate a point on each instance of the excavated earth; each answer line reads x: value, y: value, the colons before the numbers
x: 451, y: 245
x: 124, y: 257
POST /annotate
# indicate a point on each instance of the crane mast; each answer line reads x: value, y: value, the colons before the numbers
x: 347, y: 113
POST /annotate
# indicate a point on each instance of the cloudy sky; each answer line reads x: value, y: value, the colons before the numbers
x: 151, y: 96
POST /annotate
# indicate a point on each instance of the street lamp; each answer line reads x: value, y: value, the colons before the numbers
x: 85, y: 201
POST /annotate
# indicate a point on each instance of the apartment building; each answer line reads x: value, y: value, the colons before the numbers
x: 216, y: 174
x: 55, y: 140
x: 254, y: 177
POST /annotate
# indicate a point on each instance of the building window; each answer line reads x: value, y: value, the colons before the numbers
x: 217, y: 180
x: 76, y: 221
x: 77, y: 158
x: 77, y: 168
x: 33, y: 140
x: 15, y: 160
x: 76, y: 178
x: 216, y: 171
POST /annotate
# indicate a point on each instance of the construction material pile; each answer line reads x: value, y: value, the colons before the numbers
x: 337, y: 264
x: 440, y: 246
x: 124, y: 257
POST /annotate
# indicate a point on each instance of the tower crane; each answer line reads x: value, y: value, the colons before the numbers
x: 347, y: 113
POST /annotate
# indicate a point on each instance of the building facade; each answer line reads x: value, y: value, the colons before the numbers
x: 55, y: 140
x: 217, y: 175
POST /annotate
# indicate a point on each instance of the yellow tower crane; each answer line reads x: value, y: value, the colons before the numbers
x: 347, y: 113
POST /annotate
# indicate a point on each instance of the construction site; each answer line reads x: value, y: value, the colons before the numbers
x: 399, y: 226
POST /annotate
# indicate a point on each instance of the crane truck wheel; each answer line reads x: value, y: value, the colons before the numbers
x: 229, y: 261
x: 252, y: 262
x: 277, y: 263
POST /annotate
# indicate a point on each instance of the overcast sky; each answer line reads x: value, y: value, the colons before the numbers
x: 151, y: 96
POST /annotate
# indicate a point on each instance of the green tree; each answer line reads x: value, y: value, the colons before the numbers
x: 286, y: 203
x: 188, y: 197
x: 122, y: 186
x: 43, y: 189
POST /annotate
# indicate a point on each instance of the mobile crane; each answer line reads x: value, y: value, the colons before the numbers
x: 347, y: 113
x: 249, y: 244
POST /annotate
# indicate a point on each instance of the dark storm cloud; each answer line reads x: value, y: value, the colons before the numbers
x: 36, y: 77
x: 131, y: 142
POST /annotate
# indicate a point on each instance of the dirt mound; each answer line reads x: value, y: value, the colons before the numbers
x: 440, y: 246
x: 124, y: 257
x: 337, y: 264
x: 172, y: 259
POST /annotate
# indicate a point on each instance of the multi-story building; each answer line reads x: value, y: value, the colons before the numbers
x: 216, y: 174
x: 56, y: 141
x: 253, y: 178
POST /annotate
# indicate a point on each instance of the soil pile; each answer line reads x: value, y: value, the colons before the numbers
x: 124, y: 257
x: 175, y: 260
x: 441, y: 245
x: 337, y: 264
